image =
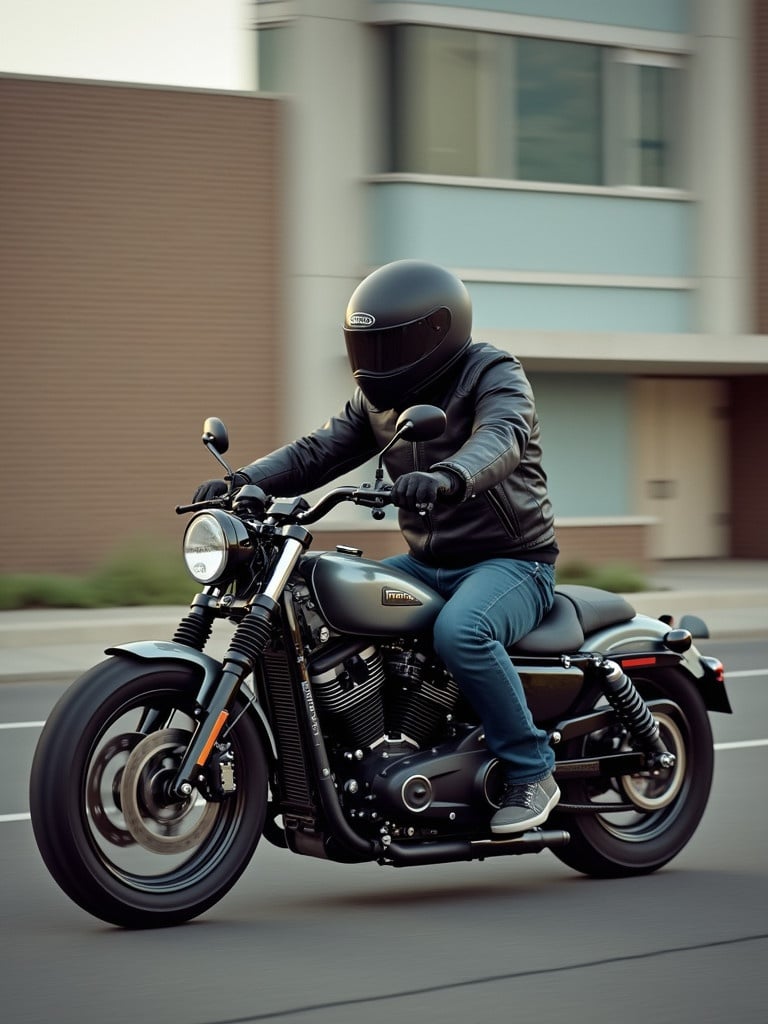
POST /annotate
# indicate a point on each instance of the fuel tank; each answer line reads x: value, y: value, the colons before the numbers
x: 359, y: 596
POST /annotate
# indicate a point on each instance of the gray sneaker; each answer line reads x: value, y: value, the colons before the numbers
x: 525, y: 805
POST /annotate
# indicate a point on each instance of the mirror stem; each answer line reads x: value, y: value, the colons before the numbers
x: 209, y: 445
x: 404, y: 428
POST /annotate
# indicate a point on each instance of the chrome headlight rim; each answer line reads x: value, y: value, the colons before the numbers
x: 229, y: 541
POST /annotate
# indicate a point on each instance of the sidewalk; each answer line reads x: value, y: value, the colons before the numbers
x: 731, y: 597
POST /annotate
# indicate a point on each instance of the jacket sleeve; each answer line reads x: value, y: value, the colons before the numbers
x: 503, y: 424
x: 341, y: 444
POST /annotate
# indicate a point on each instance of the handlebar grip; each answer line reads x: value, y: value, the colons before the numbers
x: 196, y: 506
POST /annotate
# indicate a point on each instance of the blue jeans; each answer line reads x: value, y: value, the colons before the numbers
x: 489, y: 606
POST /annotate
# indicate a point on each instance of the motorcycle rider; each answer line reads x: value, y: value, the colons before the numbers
x: 473, y: 503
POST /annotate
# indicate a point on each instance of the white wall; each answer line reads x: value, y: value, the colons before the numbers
x: 193, y: 43
x: 721, y: 163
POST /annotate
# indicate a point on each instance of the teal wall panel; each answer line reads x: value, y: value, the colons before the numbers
x: 585, y: 438
x: 506, y: 229
x: 577, y: 308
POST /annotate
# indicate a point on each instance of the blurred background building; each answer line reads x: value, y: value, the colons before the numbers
x: 181, y: 238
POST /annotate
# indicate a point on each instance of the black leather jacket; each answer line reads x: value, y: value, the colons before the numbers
x: 491, y: 443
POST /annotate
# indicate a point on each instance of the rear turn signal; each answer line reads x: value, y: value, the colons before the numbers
x: 717, y: 668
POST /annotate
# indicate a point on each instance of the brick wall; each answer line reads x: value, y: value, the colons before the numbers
x: 140, y: 274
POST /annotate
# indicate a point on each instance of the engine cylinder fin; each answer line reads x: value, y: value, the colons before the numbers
x: 350, y: 693
x: 416, y: 702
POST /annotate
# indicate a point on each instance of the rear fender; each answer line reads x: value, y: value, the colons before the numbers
x: 640, y: 643
x: 165, y: 650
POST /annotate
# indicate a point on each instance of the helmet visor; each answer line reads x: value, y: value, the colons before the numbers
x: 390, y: 349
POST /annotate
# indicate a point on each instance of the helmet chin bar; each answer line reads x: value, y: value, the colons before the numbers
x: 394, y: 391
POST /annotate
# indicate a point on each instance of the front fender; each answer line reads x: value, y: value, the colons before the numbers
x: 169, y: 650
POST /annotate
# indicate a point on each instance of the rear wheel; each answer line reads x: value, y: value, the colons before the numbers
x: 106, y: 825
x: 640, y: 822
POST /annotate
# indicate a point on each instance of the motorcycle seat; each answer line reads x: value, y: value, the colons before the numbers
x: 576, y: 612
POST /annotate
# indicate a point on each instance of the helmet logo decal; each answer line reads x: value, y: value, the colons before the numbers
x: 362, y: 320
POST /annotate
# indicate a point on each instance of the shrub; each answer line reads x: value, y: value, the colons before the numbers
x: 613, y: 576
x: 141, y: 572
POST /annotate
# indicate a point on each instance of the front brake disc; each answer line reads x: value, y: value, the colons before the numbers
x: 157, y: 823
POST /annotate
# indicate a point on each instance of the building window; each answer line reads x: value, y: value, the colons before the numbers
x: 558, y: 88
x: 646, y: 140
x: 480, y: 104
x: 449, y: 89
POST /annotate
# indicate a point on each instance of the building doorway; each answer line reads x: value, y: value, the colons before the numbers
x: 680, y: 449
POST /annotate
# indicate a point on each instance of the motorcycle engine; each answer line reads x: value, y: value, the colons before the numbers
x: 365, y: 694
x: 418, y: 697
x: 403, y: 765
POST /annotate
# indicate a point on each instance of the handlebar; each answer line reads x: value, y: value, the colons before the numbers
x: 366, y: 496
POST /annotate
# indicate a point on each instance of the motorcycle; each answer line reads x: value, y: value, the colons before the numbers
x: 330, y: 727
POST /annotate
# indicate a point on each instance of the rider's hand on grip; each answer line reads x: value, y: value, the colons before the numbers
x: 215, y: 488
x: 210, y: 489
x: 418, y: 491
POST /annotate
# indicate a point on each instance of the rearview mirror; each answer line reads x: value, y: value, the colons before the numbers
x: 215, y: 435
x: 421, y: 423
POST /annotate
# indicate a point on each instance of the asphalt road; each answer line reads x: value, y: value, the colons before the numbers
x: 524, y: 939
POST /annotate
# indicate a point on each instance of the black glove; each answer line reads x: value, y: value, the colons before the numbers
x: 215, y: 488
x: 418, y: 492
x: 210, y: 489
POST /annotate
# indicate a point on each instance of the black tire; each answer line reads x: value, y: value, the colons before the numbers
x: 188, y: 854
x: 668, y: 807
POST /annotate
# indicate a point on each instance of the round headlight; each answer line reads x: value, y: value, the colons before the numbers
x: 215, y: 546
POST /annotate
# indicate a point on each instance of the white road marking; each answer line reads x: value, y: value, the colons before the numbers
x: 741, y: 744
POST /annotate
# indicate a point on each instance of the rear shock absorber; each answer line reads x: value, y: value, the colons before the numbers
x: 633, y: 713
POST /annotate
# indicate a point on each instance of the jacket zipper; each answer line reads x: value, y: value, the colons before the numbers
x: 427, y: 516
x: 506, y: 518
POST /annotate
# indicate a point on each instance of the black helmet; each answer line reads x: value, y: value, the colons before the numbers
x: 406, y: 324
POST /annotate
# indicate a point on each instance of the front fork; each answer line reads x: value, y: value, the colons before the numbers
x: 248, y: 644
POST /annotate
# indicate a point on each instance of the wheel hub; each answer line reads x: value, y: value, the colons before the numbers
x: 654, y: 790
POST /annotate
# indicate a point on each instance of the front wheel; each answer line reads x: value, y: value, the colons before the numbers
x: 640, y: 822
x: 103, y: 818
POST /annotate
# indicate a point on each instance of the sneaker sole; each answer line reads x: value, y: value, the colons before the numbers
x: 523, y: 826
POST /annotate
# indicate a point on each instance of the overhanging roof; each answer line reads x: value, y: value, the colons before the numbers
x: 625, y: 352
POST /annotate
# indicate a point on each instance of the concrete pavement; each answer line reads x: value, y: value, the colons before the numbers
x: 59, y: 644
